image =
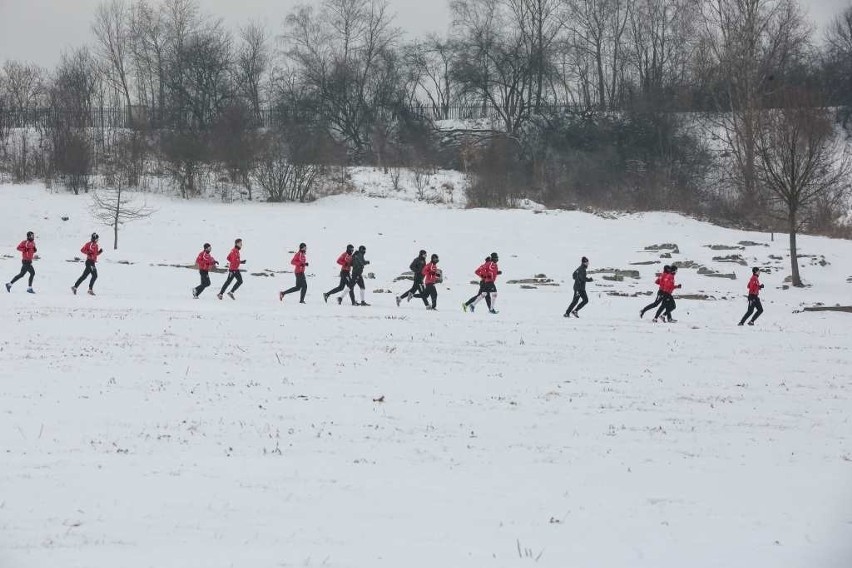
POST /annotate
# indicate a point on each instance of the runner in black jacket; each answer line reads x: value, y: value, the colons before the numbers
x: 358, y: 264
x: 416, y: 290
x: 580, y: 280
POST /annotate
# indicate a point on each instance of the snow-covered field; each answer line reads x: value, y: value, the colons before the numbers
x: 141, y: 428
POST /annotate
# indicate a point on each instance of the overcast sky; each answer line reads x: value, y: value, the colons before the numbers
x: 38, y: 30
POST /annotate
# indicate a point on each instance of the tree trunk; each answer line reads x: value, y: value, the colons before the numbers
x: 115, y: 219
x: 794, y: 255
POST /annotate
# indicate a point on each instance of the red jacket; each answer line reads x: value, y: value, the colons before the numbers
x: 300, y: 262
x: 204, y: 261
x: 431, y: 273
x: 482, y: 271
x: 667, y: 283
x: 754, y: 285
x: 345, y: 262
x: 490, y: 271
x: 234, y: 259
x: 28, y: 250
x: 91, y: 250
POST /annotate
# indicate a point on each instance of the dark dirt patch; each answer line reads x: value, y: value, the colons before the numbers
x: 687, y: 264
x: 628, y: 295
x: 844, y: 309
x: 732, y: 258
x: 724, y: 247
x: 539, y: 280
x: 665, y: 246
x: 704, y: 271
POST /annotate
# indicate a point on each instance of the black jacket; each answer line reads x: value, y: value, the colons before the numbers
x: 580, y: 278
x: 358, y: 264
x: 416, y: 267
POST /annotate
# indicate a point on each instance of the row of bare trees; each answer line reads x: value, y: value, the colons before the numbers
x: 641, y: 103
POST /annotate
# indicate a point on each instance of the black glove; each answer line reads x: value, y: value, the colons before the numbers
x: 35, y: 249
x: 761, y: 286
x: 499, y: 272
x: 366, y: 262
x: 242, y: 262
x: 590, y: 279
x: 306, y: 264
x: 100, y: 251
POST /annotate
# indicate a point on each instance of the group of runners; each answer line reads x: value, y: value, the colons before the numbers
x: 425, y: 276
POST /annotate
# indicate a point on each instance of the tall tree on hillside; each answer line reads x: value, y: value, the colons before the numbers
x: 801, y: 162
x: 506, y: 52
x: 430, y: 63
x: 598, y: 39
x: 752, y: 43
x: 72, y: 95
x: 838, y: 61
x: 252, y: 66
x: 148, y: 55
x: 662, y: 46
x: 112, y: 31
x: 342, y: 57
x: 24, y: 85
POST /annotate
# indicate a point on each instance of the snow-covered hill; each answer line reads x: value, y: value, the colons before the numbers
x: 143, y: 428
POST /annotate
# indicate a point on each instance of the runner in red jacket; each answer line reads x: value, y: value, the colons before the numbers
x: 27, y: 249
x: 205, y: 263
x: 488, y: 273
x: 345, y: 263
x: 299, y: 262
x: 485, y: 283
x: 92, y: 251
x: 667, y: 288
x: 659, y: 299
x: 754, y: 305
x: 234, y: 262
x: 431, y: 276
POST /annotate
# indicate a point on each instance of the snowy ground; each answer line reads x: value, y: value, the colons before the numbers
x: 141, y: 428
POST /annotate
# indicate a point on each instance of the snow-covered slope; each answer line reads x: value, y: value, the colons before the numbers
x: 143, y: 428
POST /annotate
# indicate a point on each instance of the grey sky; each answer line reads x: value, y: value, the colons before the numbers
x: 37, y: 30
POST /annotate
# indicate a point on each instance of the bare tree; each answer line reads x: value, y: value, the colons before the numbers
x: 663, y: 44
x: 148, y: 54
x: 497, y: 62
x: 199, y: 76
x: 598, y: 33
x: 72, y: 95
x: 838, y: 60
x: 115, y: 205
x: 801, y: 163
x: 751, y: 43
x: 282, y: 173
x: 235, y: 144
x: 112, y: 30
x: 430, y: 63
x: 252, y: 66
x: 343, y: 56
x: 24, y: 85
